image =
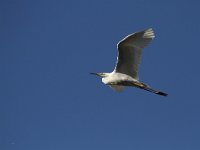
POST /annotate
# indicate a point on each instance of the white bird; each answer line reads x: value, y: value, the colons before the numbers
x: 128, y: 60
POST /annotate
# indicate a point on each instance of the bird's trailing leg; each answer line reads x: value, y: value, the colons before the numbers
x: 155, y: 91
x: 139, y: 85
x: 147, y: 88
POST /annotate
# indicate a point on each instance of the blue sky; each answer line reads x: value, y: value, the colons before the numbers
x: 48, y: 99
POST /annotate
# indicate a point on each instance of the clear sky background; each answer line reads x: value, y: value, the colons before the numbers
x: 48, y: 99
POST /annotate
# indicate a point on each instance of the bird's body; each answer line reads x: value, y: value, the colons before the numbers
x: 115, y: 77
x: 128, y: 60
x: 112, y: 79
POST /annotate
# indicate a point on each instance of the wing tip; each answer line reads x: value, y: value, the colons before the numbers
x: 149, y: 33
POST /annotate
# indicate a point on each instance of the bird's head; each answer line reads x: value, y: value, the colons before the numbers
x: 103, y: 75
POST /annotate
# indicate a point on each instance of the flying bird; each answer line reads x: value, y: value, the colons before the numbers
x: 129, y: 56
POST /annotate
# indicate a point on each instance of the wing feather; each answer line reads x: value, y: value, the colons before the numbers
x: 130, y: 51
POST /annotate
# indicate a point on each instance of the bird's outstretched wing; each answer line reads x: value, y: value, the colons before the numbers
x: 130, y: 51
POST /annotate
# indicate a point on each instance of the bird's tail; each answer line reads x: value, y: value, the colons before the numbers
x: 147, y: 88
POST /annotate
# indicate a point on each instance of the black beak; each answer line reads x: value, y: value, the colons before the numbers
x: 95, y: 74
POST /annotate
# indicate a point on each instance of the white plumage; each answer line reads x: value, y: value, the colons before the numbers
x: 129, y: 56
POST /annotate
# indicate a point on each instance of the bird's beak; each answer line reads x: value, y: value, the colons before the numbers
x: 97, y: 74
